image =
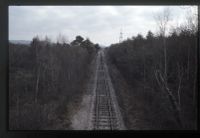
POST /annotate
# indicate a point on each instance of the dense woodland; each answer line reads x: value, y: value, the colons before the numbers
x: 46, y: 81
x: 154, y: 77
x: 152, y: 99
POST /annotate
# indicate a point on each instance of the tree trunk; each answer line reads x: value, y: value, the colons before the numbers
x: 17, y: 105
x: 195, y: 75
x: 188, y: 64
x: 163, y: 85
x: 180, y: 76
x: 37, y: 85
x: 144, y: 71
x: 165, y: 56
x: 196, y: 65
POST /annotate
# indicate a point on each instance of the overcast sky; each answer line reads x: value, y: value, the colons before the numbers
x: 102, y: 24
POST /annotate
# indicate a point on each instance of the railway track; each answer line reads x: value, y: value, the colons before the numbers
x: 105, y: 112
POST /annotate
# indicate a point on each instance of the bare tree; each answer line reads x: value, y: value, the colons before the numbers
x: 192, y: 27
x: 35, y: 52
x: 192, y: 19
x: 47, y: 40
x: 37, y: 84
x: 196, y: 71
x: 180, y: 77
x: 165, y: 89
x: 191, y: 22
x: 62, y: 39
x: 144, y: 66
x: 162, y: 20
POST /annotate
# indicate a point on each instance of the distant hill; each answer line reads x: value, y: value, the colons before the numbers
x: 25, y: 42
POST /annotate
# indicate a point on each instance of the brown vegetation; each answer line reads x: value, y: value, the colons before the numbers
x: 45, y: 81
x: 149, y: 99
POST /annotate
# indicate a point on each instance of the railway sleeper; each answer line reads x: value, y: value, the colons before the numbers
x: 107, y: 121
x: 108, y: 126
